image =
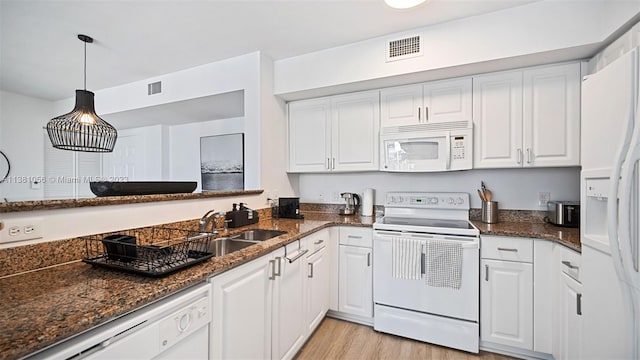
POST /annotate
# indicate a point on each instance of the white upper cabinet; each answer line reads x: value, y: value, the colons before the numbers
x: 338, y: 133
x: 355, y: 125
x: 447, y: 101
x: 527, y: 118
x: 430, y: 103
x: 309, y: 135
x: 401, y: 105
x: 552, y: 116
x: 497, y: 120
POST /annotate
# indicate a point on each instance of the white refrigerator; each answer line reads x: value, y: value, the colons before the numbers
x: 610, y: 150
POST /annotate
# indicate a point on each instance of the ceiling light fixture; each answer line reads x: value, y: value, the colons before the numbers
x: 403, y: 4
x: 82, y: 129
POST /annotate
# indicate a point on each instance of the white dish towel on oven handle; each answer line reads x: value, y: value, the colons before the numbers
x: 443, y: 264
x: 406, y: 258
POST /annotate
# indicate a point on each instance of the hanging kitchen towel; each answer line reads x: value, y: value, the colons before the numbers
x: 443, y: 264
x: 406, y: 258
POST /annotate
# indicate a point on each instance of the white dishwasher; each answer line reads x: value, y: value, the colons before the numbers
x: 173, y: 328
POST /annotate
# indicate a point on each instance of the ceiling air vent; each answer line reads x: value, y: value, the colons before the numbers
x: 154, y: 88
x: 404, y: 48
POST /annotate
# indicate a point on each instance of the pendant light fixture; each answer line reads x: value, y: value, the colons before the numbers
x: 403, y: 4
x: 82, y: 129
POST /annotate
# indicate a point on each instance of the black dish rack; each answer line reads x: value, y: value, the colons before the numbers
x: 153, y: 252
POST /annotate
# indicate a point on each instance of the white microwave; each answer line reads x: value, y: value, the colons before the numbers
x: 427, y: 151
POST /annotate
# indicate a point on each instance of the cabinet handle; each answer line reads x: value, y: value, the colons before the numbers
x: 368, y: 259
x: 528, y: 156
x: 328, y: 165
x: 519, y: 156
x: 318, y: 242
x: 507, y: 249
x: 486, y: 273
x: 354, y: 237
x: 333, y: 164
x: 426, y: 114
x: 569, y: 265
x: 419, y: 114
x: 298, y: 256
x: 310, y: 270
x: 279, y: 259
x: 579, y: 304
x: 273, y: 269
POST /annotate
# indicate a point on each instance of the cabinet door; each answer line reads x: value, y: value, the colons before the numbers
x: 241, y: 326
x: 355, y: 295
x: 506, y: 303
x: 401, y: 106
x: 497, y: 120
x: 447, y: 101
x: 310, y: 135
x: 355, y: 123
x: 317, y: 288
x: 570, y: 318
x: 552, y: 116
x: 288, y: 329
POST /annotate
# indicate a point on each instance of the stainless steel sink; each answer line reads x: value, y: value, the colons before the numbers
x: 256, y: 235
x: 224, y: 246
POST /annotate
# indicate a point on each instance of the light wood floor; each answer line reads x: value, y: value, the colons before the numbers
x: 337, y: 339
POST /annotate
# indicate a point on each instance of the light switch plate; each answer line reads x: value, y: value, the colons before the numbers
x: 543, y: 199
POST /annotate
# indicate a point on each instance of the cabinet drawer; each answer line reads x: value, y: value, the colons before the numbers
x: 506, y: 248
x: 356, y: 236
x: 570, y: 262
x: 317, y: 241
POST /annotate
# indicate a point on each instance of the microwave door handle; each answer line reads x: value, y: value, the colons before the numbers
x: 448, y: 146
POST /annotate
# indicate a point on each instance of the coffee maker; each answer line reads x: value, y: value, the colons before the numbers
x: 352, y: 201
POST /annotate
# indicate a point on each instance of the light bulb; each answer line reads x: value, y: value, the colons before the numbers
x: 87, y: 119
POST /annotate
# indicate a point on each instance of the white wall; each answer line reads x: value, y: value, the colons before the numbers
x: 547, y: 31
x: 273, y: 139
x: 512, y: 188
x: 22, y: 119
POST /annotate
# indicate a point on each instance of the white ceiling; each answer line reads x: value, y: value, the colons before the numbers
x: 40, y: 55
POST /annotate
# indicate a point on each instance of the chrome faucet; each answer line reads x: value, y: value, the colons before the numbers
x: 205, y: 220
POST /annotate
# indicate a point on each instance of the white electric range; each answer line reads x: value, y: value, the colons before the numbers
x: 426, y: 269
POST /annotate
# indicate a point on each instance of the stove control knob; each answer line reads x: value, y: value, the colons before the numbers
x: 433, y: 200
x: 460, y: 201
x: 451, y: 201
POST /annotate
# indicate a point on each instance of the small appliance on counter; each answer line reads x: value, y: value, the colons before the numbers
x: 563, y: 213
x: 289, y: 208
x: 242, y: 216
x: 352, y: 201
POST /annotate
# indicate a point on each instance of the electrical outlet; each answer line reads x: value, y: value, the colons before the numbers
x: 21, y: 230
x: 543, y: 199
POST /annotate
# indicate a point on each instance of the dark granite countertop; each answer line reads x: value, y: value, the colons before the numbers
x: 43, y: 307
x: 569, y: 237
x: 46, y: 306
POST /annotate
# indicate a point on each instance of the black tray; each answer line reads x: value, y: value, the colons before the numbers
x: 109, y: 188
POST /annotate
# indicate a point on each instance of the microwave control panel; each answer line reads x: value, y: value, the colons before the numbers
x: 458, y: 147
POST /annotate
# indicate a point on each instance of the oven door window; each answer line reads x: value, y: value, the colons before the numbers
x: 424, y: 154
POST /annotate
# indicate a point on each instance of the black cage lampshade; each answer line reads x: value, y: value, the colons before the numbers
x: 82, y: 129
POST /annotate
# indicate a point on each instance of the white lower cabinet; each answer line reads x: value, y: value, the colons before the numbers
x: 570, y: 336
x: 355, y: 284
x: 506, y: 303
x: 316, y: 287
x: 288, y: 326
x: 242, y: 301
x: 267, y: 308
x: 568, y: 310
